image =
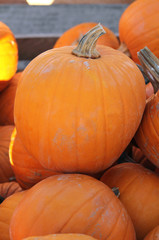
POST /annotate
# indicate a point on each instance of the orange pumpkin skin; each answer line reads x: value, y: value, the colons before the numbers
x: 153, y: 235
x: 72, y: 36
x: 7, y: 97
x: 8, y: 188
x: 7, y: 208
x: 8, y: 55
x: 137, y: 29
x: 139, y: 193
x: 5, y: 168
x: 147, y: 135
x: 27, y: 169
x: 67, y: 236
x: 81, y: 114
x: 80, y: 203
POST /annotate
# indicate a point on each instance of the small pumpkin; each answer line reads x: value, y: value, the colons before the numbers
x: 153, y: 235
x: 139, y: 157
x: 137, y: 29
x: 7, y: 97
x: 8, y: 55
x: 84, y: 100
x: 71, y: 203
x: 6, y: 171
x: 6, y: 211
x: 8, y: 188
x: 139, y: 194
x: 147, y: 135
x: 27, y: 169
x: 149, y: 90
x: 67, y: 236
x: 73, y: 35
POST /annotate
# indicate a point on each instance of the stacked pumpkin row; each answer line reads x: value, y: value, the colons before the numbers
x: 76, y: 110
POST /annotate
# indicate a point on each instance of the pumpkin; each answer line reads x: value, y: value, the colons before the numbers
x: 73, y: 104
x: 67, y: 236
x: 71, y: 203
x: 137, y: 29
x: 6, y: 171
x: 6, y: 211
x: 139, y: 157
x: 153, y: 235
x: 139, y: 193
x: 7, y: 97
x: 8, y: 188
x: 149, y: 90
x: 147, y: 136
x: 8, y: 55
x: 73, y: 35
x: 27, y: 169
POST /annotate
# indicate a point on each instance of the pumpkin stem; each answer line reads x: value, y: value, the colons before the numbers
x: 123, y: 48
x: 87, y: 45
x: 116, y: 191
x: 150, y: 64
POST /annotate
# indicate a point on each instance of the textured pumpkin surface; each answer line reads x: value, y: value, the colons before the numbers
x: 5, y: 168
x: 139, y: 192
x: 7, y: 97
x: 8, y: 188
x: 27, y: 169
x: 139, y: 27
x: 72, y: 105
x: 72, y: 36
x: 147, y: 136
x: 153, y: 235
x: 67, y: 236
x: 71, y: 203
x: 8, y: 55
x: 6, y: 211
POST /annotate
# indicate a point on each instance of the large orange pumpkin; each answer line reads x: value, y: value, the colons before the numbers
x: 73, y: 35
x: 71, y: 203
x: 69, y: 109
x: 147, y: 136
x: 8, y: 188
x: 139, y: 192
x: 27, y: 169
x: 6, y: 171
x: 139, y: 27
x: 67, y: 236
x: 8, y: 55
x: 7, y: 97
x: 153, y: 235
x: 6, y: 211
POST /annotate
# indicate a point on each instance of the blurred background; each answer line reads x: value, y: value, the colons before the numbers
x: 37, y: 24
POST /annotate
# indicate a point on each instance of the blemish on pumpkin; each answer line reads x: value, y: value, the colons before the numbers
x: 87, y: 64
x: 157, y: 107
x: 37, y: 174
x: 72, y: 61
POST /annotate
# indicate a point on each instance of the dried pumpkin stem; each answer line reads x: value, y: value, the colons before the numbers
x: 87, y: 45
x: 116, y: 191
x: 123, y: 48
x: 150, y: 64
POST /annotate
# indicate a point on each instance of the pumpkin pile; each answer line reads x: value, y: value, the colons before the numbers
x: 79, y: 134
